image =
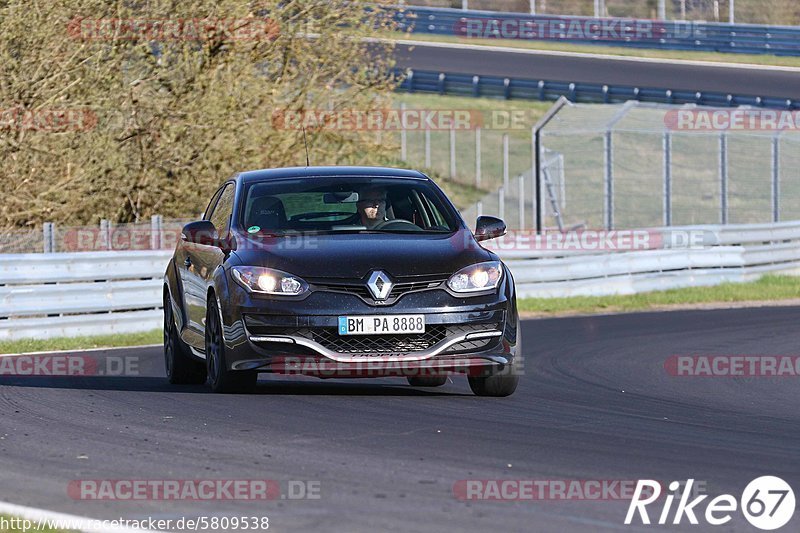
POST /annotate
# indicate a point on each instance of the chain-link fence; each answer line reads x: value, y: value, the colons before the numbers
x: 646, y: 165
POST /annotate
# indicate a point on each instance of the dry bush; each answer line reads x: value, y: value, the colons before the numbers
x: 174, y: 115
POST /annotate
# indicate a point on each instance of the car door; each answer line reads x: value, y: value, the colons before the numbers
x: 203, y: 260
x: 189, y: 282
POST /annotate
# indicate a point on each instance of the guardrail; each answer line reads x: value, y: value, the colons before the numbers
x: 101, y: 293
x: 448, y: 83
x: 78, y: 294
x: 729, y: 253
x: 628, y: 32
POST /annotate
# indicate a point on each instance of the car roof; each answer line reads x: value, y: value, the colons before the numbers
x: 318, y: 172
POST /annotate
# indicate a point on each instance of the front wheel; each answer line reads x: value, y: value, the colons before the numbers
x: 181, y: 368
x: 222, y: 379
x: 498, y: 385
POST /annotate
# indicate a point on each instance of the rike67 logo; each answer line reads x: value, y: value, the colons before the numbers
x: 767, y: 503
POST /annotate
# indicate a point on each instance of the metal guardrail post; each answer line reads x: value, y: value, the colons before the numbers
x: 521, y: 185
x: 723, y: 177
x: 608, y: 180
x: 49, y: 234
x: 776, y: 178
x: 427, y: 148
x: 478, y: 162
x: 667, y: 147
x: 155, y: 232
x: 505, y: 161
x: 452, y: 152
x: 105, y: 232
x: 403, y: 136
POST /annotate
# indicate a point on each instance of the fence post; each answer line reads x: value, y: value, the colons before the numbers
x: 667, y: 179
x: 732, y: 12
x: 49, y: 234
x: 480, y: 208
x: 662, y: 9
x: 452, y: 152
x: 533, y: 7
x: 501, y: 202
x: 505, y: 160
x: 427, y: 148
x: 776, y: 177
x: 478, y: 157
x: 105, y: 231
x: 723, y: 177
x: 155, y: 232
x: 608, y: 181
x: 521, y: 184
x: 403, y: 135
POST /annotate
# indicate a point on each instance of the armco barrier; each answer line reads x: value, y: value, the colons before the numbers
x: 448, y: 83
x: 733, y: 253
x: 97, y: 293
x: 628, y: 32
x: 77, y: 294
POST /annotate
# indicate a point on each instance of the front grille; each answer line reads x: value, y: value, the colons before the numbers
x: 360, y: 289
x: 404, y: 343
x: 330, y: 339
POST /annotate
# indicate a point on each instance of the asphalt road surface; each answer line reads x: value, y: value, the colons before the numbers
x: 675, y: 76
x: 595, y: 403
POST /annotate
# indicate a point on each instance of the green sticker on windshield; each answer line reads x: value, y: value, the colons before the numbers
x: 253, y: 229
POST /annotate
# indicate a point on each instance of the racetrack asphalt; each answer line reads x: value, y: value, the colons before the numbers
x: 484, y: 61
x: 595, y: 403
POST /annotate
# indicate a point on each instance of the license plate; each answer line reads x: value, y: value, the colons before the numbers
x: 381, y: 324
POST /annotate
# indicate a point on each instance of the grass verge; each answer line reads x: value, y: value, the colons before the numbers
x: 81, y: 343
x: 767, y: 289
x: 719, y: 57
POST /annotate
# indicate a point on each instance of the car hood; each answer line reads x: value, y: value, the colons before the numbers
x: 354, y: 256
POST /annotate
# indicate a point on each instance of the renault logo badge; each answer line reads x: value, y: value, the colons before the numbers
x: 379, y: 285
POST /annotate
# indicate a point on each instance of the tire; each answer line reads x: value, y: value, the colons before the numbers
x: 502, y: 382
x: 427, y: 381
x: 222, y: 379
x: 181, y: 368
x: 498, y: 385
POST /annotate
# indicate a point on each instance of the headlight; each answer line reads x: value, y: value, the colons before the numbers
x: 268, y: 281
x: 477, y: 278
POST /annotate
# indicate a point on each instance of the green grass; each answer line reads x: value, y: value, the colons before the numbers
x: 81, y: 343
x: 755, y: 59
x: 33, y: 526
x: 768, y: 288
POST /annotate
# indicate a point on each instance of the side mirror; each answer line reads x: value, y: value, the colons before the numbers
x: 489, y: 228
x: 200, y: 232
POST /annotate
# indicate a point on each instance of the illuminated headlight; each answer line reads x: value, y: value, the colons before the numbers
x: 477, y: 278
x: 268, y: 281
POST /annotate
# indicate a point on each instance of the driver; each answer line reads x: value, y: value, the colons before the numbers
x: 372, y: 206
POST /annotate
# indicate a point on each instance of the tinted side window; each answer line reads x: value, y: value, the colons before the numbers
x: 221, y: 216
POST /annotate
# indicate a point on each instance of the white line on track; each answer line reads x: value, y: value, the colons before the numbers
x: 559, y: 53
x: 42, y: 516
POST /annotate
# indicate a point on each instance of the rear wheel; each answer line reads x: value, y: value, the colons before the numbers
x: 222, y: 379
x: 181, y: 368
x: 427, y: 381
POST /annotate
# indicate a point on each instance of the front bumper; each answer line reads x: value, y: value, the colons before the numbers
x: 283, y: 336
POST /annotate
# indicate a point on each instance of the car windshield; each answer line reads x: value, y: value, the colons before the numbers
x: 342, y: 204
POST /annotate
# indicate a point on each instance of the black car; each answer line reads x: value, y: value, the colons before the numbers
x: 339, y: 272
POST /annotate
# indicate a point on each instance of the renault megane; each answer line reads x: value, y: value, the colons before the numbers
x: 339, y: 272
